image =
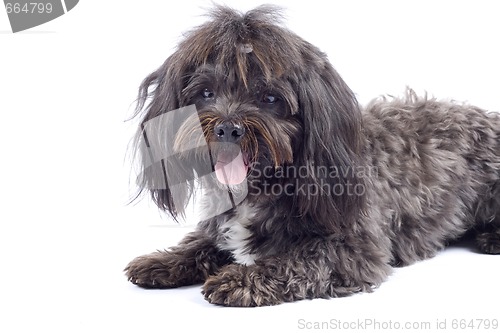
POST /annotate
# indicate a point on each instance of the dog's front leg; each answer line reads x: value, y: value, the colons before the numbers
x: 192, y: 261
x: 314, y: 269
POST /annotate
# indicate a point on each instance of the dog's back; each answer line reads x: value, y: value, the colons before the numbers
x: 437, y: 171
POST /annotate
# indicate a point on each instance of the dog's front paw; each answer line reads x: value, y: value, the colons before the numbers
x: 156, y: 270
x: 242, y: 286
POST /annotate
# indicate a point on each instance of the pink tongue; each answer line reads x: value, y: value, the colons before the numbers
x: 231, y: 172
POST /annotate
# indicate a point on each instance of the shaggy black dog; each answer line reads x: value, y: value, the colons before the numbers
x: 306, y: 195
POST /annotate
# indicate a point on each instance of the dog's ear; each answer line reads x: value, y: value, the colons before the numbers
x: 163, y: 172
x: 331, y: 146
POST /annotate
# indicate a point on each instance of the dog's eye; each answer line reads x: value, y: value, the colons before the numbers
x: 207, y: 93
x: 269, y: 99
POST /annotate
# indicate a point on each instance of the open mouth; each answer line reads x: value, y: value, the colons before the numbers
x: 231, y: 168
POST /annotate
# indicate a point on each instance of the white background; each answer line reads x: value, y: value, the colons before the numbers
x: 66, y: 89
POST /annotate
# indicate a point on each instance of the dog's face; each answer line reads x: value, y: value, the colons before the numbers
x: 265, y: 99
x: 249, y: 127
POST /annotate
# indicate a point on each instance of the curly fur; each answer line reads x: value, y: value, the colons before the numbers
x: 424, y: 172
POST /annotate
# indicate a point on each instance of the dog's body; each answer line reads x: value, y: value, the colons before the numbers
x: 334, y: 196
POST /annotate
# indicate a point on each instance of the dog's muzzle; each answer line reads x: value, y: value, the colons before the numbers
x: 231, y: 165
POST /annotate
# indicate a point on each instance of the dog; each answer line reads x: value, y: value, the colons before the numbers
x: 305, y: 193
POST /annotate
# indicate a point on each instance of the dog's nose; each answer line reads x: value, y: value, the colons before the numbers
x: 229, y: 132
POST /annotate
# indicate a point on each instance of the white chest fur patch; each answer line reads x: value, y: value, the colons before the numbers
x: 235, y: 235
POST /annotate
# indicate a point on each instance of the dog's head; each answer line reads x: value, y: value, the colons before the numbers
x: 266, y: 101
